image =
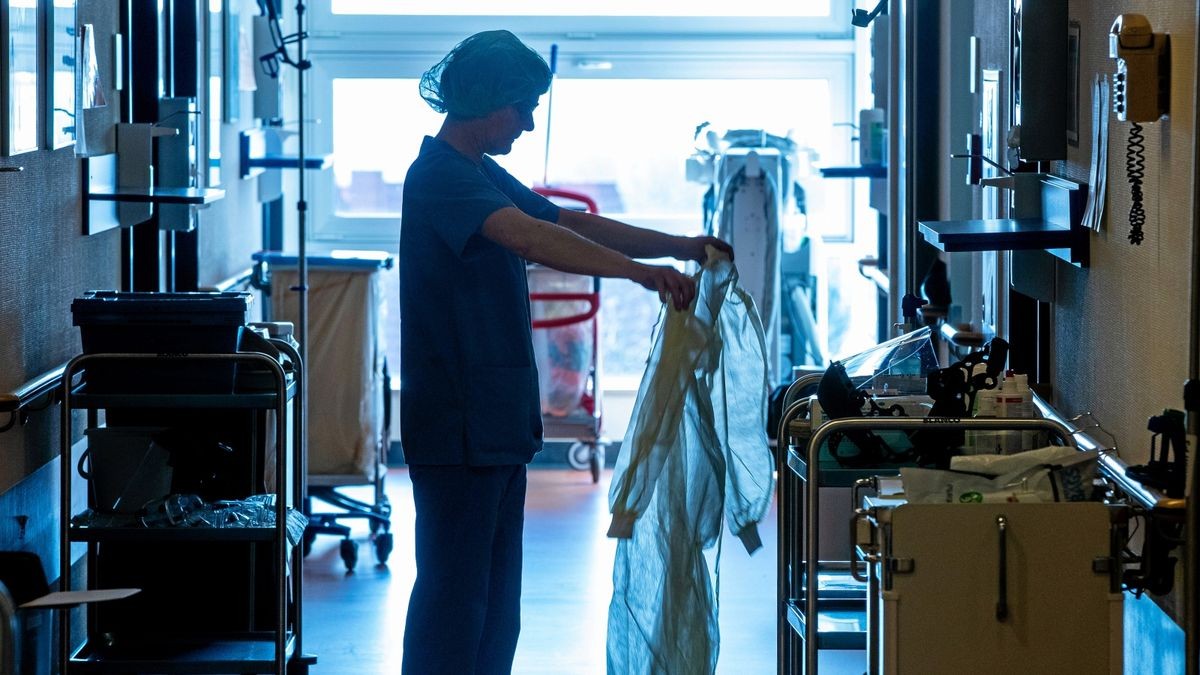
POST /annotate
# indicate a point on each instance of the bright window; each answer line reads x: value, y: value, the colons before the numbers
x: 624, y: 142
x: 623, y: 115
x: 559, y: 8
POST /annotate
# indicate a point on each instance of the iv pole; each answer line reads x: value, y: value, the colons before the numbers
x: 270, y: 64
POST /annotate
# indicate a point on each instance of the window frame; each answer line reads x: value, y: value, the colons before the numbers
x: 667, y: 58
x: 835, y: 25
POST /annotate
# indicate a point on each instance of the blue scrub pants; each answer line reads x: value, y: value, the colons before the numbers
x: 465, y: 611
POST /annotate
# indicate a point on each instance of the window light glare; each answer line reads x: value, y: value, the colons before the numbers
x: 593, y: 64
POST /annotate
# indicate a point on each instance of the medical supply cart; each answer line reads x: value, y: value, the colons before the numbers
x: 566, y: 344
x: 159, y: 648
x: 219, y: 407
x: 993, y: 556
x: 349, y: 385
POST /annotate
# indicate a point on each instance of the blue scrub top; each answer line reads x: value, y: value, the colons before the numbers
x: 469, y: 384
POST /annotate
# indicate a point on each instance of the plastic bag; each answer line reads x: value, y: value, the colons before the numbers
x: 696, y: 448
x: 1053, y: 474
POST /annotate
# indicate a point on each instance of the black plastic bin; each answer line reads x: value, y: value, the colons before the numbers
x: 169, y: 324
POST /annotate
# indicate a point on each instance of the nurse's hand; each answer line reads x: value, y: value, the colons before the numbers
x: 692, y: 248
x: 669, y: 282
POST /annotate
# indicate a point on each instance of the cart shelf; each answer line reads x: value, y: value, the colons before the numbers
x: 80, y: 398
x: 243, y: 653
x: 841, y: 624
x: 173, y: 534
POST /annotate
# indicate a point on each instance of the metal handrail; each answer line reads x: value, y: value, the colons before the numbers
x: 8, y: 633
x: 36, y: 394
x: 1113, y: 467
x: 243, y: 279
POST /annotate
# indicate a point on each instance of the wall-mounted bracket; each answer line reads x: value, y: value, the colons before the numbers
x: 261, y: 150
x: 1047, y: 214
x: 120, y: 187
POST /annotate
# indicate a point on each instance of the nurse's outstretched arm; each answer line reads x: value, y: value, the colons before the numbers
x: 548, y: 244
x: 638, y: 242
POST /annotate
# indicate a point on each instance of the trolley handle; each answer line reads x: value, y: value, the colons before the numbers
x: 587, y: 201
x: 593, y: 300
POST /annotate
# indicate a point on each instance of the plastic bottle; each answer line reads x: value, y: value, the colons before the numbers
x: 1015, y: 400
x: 872, y: 137
x: 983, y: 442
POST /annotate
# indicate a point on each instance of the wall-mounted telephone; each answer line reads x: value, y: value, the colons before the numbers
x: 1141, y: 84
x: 1140, y: 93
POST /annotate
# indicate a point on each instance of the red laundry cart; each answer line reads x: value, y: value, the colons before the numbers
x: 566, y: 344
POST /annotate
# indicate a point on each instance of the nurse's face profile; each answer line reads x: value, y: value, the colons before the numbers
x: 508, y: 123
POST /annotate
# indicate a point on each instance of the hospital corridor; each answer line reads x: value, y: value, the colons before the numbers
x: 686, y: 337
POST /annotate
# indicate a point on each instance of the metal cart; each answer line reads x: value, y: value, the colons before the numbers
x: 160, y: 646
x: 838, y: 594
x: 567, y: 346
x: 351, y: 389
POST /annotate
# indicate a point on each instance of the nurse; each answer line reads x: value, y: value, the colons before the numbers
x: 470, y: 416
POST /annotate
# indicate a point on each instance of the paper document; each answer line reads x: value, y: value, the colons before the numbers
x: 72, y: 598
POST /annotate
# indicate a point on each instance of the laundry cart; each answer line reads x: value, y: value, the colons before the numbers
x: 566, y: 335
x: 348, y: 384
x: 564, y: 308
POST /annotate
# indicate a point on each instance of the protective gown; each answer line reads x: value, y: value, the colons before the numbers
x: 696, y: 448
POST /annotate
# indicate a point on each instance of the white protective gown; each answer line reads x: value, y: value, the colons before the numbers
x: 696, y: 449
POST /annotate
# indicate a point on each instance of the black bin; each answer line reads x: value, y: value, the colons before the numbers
x: 170, y: 324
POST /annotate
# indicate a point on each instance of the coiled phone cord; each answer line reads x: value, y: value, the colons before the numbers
x: 1135, y: 169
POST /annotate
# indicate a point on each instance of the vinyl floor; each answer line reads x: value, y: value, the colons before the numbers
x: 354, y: 622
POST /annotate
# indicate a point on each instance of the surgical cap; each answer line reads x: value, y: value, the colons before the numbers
x: 484, y: 73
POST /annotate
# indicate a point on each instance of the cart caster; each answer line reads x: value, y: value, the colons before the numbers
x: 596, y: 461
x: 373, y: 524
x: 310, y: 536
x: 579, y: 455
x: 383, y: 547
x: 349, y: 551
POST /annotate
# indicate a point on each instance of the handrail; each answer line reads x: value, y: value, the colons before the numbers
x: 241, y: 279
x: 8, y: 633
x: 587, y: 201
x: 593, y: 300
x: 40, y: 391
x: 1113, y: 466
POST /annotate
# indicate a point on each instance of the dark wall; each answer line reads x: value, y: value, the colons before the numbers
x: 46, y: 261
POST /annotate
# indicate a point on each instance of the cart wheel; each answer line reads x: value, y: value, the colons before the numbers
x: 310, y: 536
x: 596, y: 461
x: 350, y: 554
x: 383, y: 547
x: 579, y: 455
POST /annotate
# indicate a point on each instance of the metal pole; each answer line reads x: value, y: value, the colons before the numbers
x: 302, y: 314
x: 1191, y: 580
x: 549, y: 113
x: 895, y: 174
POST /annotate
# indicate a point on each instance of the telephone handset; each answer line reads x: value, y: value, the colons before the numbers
x: 1140, y: 93
x: 1140, y: 85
